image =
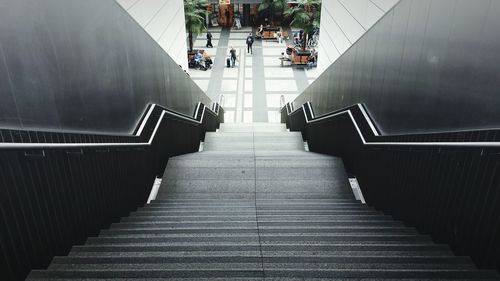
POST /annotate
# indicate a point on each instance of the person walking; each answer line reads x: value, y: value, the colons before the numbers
x: 233, y: 56
x: 209, y: 40
x: 250, y: 43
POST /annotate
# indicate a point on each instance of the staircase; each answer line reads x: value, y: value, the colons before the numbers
x: 254, y: 205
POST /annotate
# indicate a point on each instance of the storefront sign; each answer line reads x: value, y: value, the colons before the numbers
x: 224, y: 2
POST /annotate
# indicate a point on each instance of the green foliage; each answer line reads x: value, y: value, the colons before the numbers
x: 194, y: 12
x: 306, y: 15
x: 273, y: 7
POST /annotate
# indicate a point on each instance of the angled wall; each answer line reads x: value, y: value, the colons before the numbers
x: 163, y: 20
x: 83, y: 66
x: 426, y: 66
x: 343, y: 22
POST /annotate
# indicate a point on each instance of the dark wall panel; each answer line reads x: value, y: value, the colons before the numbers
x: 83, y: 66
x: 428, y: 65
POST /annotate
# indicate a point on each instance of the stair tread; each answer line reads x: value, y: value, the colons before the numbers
x: 270, y: 272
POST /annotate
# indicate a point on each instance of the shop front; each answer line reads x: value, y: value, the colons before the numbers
x: 227, y: 12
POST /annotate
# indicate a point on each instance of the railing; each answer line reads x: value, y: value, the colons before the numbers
x: 285, y: 110
x: 201, y: 110
x: 57, y: 189
x: 446, y: 184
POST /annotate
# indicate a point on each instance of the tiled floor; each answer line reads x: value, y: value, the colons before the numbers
x: 252, y: 89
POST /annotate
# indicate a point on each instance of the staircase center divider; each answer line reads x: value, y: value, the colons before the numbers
x: 57, y: 189
x: 446, y: 184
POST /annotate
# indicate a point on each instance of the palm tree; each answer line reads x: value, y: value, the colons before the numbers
x: 195, y: 11
x: 273, y: 6
x: 306, y: 15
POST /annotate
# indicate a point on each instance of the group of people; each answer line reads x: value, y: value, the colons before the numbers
x: 201, y: 60
x: 291, y: 51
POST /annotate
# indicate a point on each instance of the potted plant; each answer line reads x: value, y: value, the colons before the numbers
x: 195, y: 11
x: 306, y: 15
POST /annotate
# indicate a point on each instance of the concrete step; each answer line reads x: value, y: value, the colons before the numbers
x: 252, y: 195
x: 287, y: 228
x: 282, y: 154
x: 165, y: 218
x: 221, y: 256
x: 183, y: 256
x: 274, y: 188
x: 205, y: 195
x: 303, y: 224
x: 260, y: 201
x: 139, y: 273
x: 297, y: 264
x: 157, y: 207
x: 251, y: 203
x: 148, y: 265
x: 283, y: 258
x: 416, y: 274
x: 251, y: 146
x: 252, y: 127
x: 169, y: 247
x: 175, y: 238
x: 339, y: 193
x: 261, y: 279
x: 264, y: 237
x: 226, y: 137
x: 251, y: 161
x: 208, y: 173
x: 269, y: 272
x: 328, y: 237
x: 191, y: 163
x: 161, y: 279
x: 249, y: 212
x: 332, y: 247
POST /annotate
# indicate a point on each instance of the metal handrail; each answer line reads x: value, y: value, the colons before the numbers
x: 139, y: 132
x: 222, y: 99
x: 282, y: 101
x: 375, y: 131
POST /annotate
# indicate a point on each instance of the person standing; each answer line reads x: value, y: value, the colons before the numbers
x: 233, y: 56
x: 260, y: 31
x: 209, y: 40
x: 237, y: 22
x: 279, y: 36
x: 250, y: 41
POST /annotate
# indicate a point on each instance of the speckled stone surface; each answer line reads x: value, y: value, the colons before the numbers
x: 254, y: 205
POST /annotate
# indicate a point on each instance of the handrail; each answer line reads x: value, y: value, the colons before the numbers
x: 138, y: 133
x: 282, y: 101
x: 307, y: 108
x: 222, y: 100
